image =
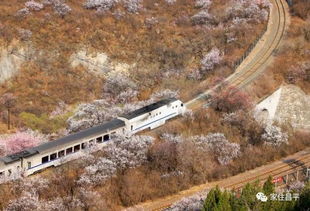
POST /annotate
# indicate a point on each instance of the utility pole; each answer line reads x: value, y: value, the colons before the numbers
x: 9, y: 119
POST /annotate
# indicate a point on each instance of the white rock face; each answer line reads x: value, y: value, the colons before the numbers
x: 10, y: 62
x: 288, y: 105
x: 98, y: 62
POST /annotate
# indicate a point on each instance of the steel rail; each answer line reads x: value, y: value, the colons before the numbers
x: 242, y: 78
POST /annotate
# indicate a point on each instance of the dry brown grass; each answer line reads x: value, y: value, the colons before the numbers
x: 173, y: 43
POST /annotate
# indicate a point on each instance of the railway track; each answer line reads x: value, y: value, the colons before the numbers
x: 251, y: 67
x: 248, y: 70
x: 278, y: 171
x: 245, y: 77
x: 287, y: 165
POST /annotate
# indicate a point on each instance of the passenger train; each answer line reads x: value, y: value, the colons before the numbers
x: 62, y: 150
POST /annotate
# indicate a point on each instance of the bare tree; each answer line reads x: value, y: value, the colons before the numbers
x: 8, y: 100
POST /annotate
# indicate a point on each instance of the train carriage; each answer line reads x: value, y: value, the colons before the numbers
x: 56, y: 152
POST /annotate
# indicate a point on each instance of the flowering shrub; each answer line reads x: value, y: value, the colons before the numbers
x: 149, y: 22
x: 128, y: 152
x: 194, y: 75
x: 26, y: 202
x: 35, y: 6
x: 133, y: 6
x: 297, y: 72
x: 172, y: 138
x: 193, y: 203
x: 188, y: 115
x: 61, y: 9
x: 166, y: 93
x: 118, y: 14
x: 212, y: 58
x: 55, y: 204
x: 123, y: 152
x: 231, y: 99
x: 224, y: 150
x: 23, y: 12
x: 201, y: 17
x: 202, y: 3
x: 99, y: 172
x: 30, y: 189
x: 21, y: 140
x: 103, y: 4
x: 274, y: 136
x: 249, y: 10
x: 31, y: 185
x: 50, y: 2
x: 25, y: 34
x: 170, y: 2
x: 59, y: 110
x: 90, y: 114
x: 117, y: 83
x: 238, y: 118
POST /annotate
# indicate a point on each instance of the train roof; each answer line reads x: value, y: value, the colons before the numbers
x: 148, y: 108
x: 16, y: 156
x: 111, y: 125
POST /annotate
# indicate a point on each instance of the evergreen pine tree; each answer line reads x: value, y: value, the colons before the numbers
x: 268, y: 187
x: 237, y: 204
x: 212, y: 199
x: 248, y: 195
x: 304, y: 199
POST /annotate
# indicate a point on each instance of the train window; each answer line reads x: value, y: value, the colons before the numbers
x: 45, y: 159
x: 29, y: 165
x: 83, y: 145
x: 53, y: 156
x: 77, y: 148
x: 106, y: 137
x: 131, y: 127
x: 182, y: 104
x: 91, y: 143
x: 10, y: 172
x: 69, y: 150
x: 61, y: 153
x: 99, y: 139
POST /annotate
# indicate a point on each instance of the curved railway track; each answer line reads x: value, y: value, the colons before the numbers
x: 247, y: 71
x: 251, y: 67
x: 243, y: 79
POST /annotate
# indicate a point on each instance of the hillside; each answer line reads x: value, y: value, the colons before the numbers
x: 71, y: 65
x: 54, y: 58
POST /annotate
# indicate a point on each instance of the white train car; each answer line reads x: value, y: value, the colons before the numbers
x: 56, y: 152
x: 9, y: 166
x: 152, y: 116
